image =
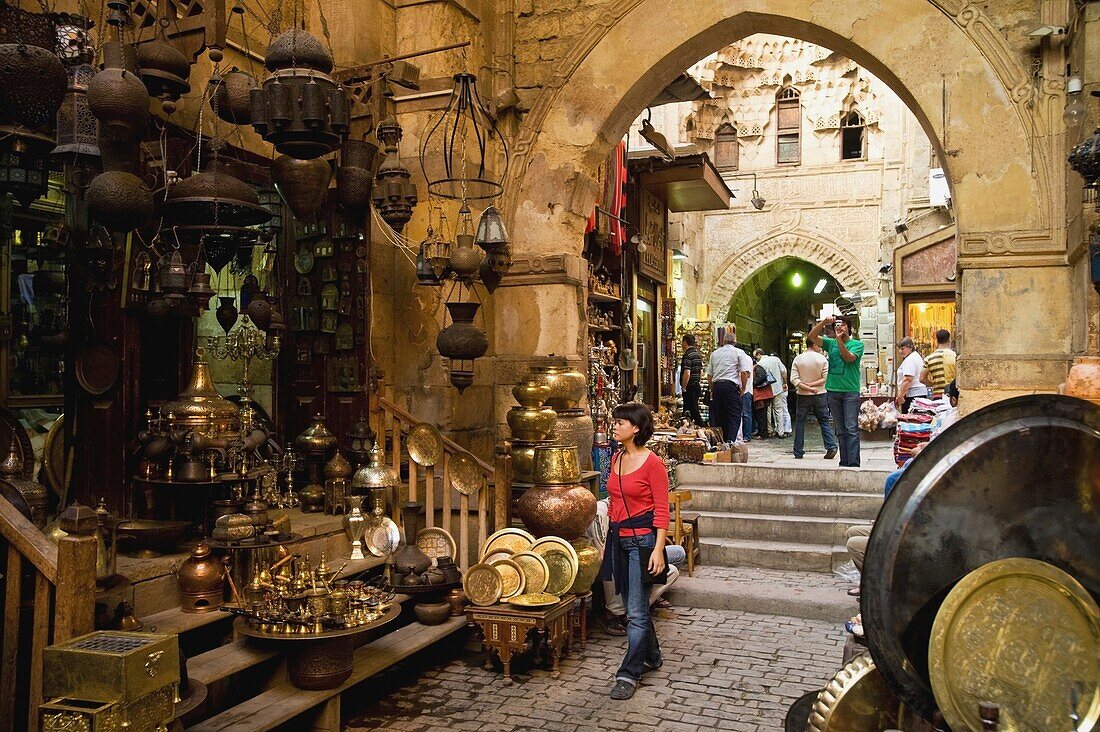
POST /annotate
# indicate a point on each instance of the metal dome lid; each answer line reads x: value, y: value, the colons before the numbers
x: 164, y: 69
x: 298, y: 49
x: 214, y: 195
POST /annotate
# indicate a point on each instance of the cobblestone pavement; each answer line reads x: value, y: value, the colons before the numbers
x: 723, y: 670
x: 873, y: 454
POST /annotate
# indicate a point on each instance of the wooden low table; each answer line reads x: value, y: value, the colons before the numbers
x: 505, y: 630
x: 580, y: 620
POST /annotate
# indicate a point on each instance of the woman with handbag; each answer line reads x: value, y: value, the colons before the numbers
x: 634, y: 555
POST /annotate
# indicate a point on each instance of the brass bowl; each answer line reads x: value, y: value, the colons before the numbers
x: 523, y: 463
x: 556, y: 465
x: 531, y: 393
x: 567, y: 387
x: 153, y: 538
x: 531, y: 423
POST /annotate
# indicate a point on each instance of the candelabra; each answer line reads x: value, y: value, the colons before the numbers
x: 245, y: 343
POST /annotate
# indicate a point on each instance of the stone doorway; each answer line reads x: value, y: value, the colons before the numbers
x: 955, y: 71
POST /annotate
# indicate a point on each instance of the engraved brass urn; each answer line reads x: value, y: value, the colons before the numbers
x: 567, y: 387
x: 557, y: 505
x: 200, y: 408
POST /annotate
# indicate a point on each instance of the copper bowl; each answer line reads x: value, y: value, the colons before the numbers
x: 557, y: 510
x: 556, y: 465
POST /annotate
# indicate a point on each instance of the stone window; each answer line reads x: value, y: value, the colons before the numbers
x: 726, y: 153
x: 853, y: 137
x: 789, y: 127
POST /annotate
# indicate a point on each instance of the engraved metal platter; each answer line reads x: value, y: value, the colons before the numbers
x: 562, y: 566
x: 546, y: 543
x: 512, y: 578
x: 382, y: 536
x: 482, y: 584
x: 534, y: 599
x: 424, y: 444
x: 1024, y: 634
x: 536, y: 572
x: 436, y: 542
x: 466, y: 476
x: 514, y: 540
x: 856, y: 699
x: 1017, y: 478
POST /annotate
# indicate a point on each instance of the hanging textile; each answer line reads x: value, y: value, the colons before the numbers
x: 612, y: 198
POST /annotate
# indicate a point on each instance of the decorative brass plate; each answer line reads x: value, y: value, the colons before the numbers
x: 303, y: 259
x: 514, y: 540
x: 55, y: 458
x: 547, y: 543
x: 534, y: 599
x: 466, y: 476
x: 483, y: 584
x: 436, y: 543
x: 536, y: 572
x: 856, y: 699
x: 382, y: 536
x: 511, y: 577
x: 424, y: 444
x: 563, y: 570
x: 1021, y: 633
x: 497, y: 556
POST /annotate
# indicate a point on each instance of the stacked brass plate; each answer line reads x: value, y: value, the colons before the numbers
x: 856, y: 699
x: 425, y: 445
x: 1024, y: 634
x: 534, y: 599
x: 497, y: 555
x: 436, y: 542
x: 536, y: 572
x: 514, y: 540
x: 483, y: 585
x: 466, y: 476
x: 561, y: 558
x: 513, y: 581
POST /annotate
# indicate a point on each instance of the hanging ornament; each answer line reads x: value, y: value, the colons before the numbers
x: 117, y: 96
x: 32, y: 78
x: 394, y: 193
x: 303, y: 184
x: 462, y: 342
x: 232, y: 97
x: 119, y: 200
x: 163, y: 68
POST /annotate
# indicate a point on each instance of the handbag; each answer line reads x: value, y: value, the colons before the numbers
x: 644, y: 553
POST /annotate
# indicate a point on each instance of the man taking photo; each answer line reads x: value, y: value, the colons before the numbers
x: 843, y: 383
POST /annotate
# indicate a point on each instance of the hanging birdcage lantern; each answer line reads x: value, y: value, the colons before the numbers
x: 464, y: 155
x: 299, y: 109
x: 77, y: 127
x: 394, y: 193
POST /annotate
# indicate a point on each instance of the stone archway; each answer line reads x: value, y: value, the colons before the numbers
x: 753, y: 256
x: 1007, y: 187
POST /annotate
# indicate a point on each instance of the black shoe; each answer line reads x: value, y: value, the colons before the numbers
x: 830, y: 454
x: 614, y: 625
x: 622, y: 690
x: 797, y: 457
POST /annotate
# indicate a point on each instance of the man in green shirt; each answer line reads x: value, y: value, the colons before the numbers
x: 843, y: 383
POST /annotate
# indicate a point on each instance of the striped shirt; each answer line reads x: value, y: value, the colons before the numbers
x: 941, y: 369
x: 692, y: 361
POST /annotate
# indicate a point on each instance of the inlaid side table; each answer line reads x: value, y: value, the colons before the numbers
x: 505, y: 630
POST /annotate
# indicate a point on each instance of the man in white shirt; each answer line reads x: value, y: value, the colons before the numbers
x: 808, y: 374
x: 778, y: 373
x: 908, y: 382
x: 728, y: 376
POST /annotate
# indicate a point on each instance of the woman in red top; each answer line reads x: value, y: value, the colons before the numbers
x: 638, y: 515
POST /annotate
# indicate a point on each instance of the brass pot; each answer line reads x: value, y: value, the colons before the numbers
x: 576, y: 428
x: 316, y: 439
x: 567, y: 387
x: 202, y: 581
x: 523, y: 461
x: 462, y: 340
x: 557, y: 510
x: 588, y: 560
x: 556, y: 465
x: 432, y: 613
x: 312, y: 498
x: 201, y: 408
x: 531, y: 423
x: 531, y: 393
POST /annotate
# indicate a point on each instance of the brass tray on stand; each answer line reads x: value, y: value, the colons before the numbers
x: 1014, y: 479
x: 318, y: 661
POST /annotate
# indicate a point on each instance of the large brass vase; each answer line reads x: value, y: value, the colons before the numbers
x: 588, y: 561
x: 557, y: 510
x: 531, y: 423
x: 556, y: 465
x: 567, y: 387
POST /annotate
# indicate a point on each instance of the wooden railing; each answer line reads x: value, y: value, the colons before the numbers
x: 490, y: 505
x: 49, y: 597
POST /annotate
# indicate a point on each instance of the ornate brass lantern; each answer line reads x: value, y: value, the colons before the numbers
x: 24, y: 163
x: 300, y: 109
x: 394, y: 193
x: 77, y: 127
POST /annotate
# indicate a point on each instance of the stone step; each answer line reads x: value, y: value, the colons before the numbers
x: 812, y: 600
x: 830, y: 478
x: 827, y: 531
x: 835, y: 504
x: 785, y: 555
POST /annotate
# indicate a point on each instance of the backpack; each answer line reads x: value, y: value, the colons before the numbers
x: 761, y: 377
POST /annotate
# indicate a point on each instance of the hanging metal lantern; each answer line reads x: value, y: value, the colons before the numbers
x: 214, y: 196
x: 491, y: 232
x: 119, y: 200
x: 300, y: 109
x: 32, y: 79
x: 174, y: 278
x: 232, y: 98
x: 1085, y: 159
x: 354, y: 176
x: 77, y: 127
x: 200, y: 291
x: 163, y: 69
x: 302, y: 183
x: 462, y: 342
x: 425, y: 275
x: 394, y: 193
x: 24, y: 164
x: 73, y: 44
x: 462, y: 146
x: 117, y: 96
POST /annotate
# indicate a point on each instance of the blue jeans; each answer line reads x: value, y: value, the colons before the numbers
x: 642, y: 646
x: 817, y: 404
x: 844, y: 406
x: 746, y: 417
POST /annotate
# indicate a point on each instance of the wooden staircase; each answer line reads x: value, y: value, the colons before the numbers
x: 246, y: 681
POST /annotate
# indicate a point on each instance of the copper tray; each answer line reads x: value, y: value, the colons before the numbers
x: 466, y: 476
x: 1016, y: 479
x: 97, y: 367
